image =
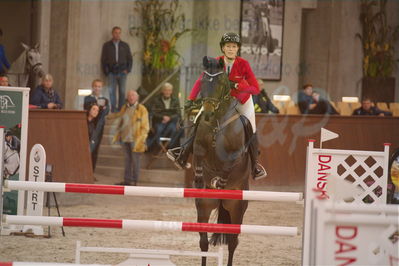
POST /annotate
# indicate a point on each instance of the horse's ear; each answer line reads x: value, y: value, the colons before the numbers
x: 206, y: 62
x: 26, y: 47
x: 37, y: 46
x: 221, y: 62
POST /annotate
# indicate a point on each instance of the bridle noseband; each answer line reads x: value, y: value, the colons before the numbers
x: 215, y: 102
x: 33, y: 67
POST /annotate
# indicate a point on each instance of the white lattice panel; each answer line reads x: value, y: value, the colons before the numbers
x: 350, y: 176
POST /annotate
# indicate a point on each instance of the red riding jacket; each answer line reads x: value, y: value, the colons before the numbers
x: 242, y: 74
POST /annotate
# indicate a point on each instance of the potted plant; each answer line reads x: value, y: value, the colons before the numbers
x: 161, y: 27
x: 378, y: 43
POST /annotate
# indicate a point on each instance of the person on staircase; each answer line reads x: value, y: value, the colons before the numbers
x: 96, y: 97
x: 132, y: 131
x: 92, y: 114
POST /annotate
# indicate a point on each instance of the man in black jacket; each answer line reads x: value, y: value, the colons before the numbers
x: 310, y: 102
x: 116, y: 62
x: 262, y: 102
x: 165, y: 112
x: 367, y: 108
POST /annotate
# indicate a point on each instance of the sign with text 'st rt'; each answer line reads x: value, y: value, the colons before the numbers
x: 35, y: 199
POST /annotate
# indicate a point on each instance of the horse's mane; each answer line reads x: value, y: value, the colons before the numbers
x: 214, y: 66
x: 18, y: 66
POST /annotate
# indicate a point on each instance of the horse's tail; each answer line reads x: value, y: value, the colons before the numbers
x: 223, y: 218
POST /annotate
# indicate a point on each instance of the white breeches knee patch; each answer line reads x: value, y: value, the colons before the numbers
x: 247, y: 109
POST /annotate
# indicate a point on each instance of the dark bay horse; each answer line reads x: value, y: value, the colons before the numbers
x: 220, y: 157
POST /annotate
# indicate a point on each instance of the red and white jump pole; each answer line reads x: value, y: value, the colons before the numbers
x: 154, y: 191
x: 46, y: 264
x: 151, y: 225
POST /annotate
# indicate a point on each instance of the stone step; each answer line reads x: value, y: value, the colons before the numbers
x: 155, y: 176
x: 107, y: 139
x: 110, y: 160
x: 109, y: 129
x: 110, y: 149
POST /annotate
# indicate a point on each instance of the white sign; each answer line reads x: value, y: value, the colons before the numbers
x: 365, y: 173
x: 35, y: 199
x: 356, y: 235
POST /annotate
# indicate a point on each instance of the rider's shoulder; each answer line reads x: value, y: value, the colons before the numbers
x: 241, y: 60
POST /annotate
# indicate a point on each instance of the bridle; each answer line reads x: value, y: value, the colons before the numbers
x: 35, y: 65
x: 215, y: 102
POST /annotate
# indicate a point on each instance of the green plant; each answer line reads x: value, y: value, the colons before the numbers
x: 378, y: 39
x: 161, y: 29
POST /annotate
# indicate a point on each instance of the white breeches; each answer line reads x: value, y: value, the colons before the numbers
x: 247, y: 109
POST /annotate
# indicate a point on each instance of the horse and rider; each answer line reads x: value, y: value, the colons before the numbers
x: 223, y: 139
x: 11, y: 154
x: 243, y: 85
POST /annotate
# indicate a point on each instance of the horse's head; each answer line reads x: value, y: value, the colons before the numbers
x: 11, y: 161
x: 33, y: 59
x: 214, y: 85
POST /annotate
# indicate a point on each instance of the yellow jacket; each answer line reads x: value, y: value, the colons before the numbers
x: 139, y: 125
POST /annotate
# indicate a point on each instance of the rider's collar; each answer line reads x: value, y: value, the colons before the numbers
x: 229, y: 61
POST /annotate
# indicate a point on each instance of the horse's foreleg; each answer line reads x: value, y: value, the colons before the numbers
x: 204, y: 209
x: 204, y: 245
x: 232, y: 244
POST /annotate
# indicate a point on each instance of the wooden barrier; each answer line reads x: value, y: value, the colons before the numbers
x: 64, y: 136
x: 283, y: 140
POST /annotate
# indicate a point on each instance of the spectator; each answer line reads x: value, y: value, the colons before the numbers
x: 4, y: 80
x: 97, y: 97
x: 165, y: 112
x: 262, y: 102
x: 367, y: 108
x: 92, y: 125
x: 311, y: 102
x: 45, y: 96
x: 4, y: 64
x: 103, y: 105
x: 132, y: 131
x: 116, y: 61
x: 12, y: 141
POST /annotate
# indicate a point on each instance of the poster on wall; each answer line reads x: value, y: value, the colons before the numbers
x: 394, y: 167
x: 262, y: 23
x: 14, y: 119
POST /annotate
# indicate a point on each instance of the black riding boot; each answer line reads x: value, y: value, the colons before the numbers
x: 259, y: 171
x: 180, y: 155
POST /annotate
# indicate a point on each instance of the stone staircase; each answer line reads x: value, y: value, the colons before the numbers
x: 110, y: 164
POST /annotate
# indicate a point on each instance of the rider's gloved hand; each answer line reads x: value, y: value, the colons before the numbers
x: 188, y: 105
x: 233, y: 85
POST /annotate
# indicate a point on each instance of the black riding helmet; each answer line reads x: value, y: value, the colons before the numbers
x: 230, y: 37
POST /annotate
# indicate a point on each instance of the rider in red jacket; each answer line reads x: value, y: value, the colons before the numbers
x: 243, y: 85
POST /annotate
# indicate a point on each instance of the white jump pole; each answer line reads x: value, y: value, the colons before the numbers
x: 154, y: 191
x: 151, y: 225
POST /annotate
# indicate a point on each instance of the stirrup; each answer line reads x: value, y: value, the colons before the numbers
x: 260, y: 172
